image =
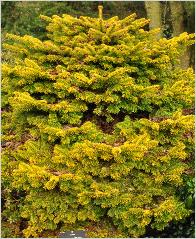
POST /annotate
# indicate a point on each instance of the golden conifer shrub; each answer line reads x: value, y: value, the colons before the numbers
x: 97, y: 128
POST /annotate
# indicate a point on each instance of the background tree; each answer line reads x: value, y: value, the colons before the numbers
x: 178, y: 26
x: 154, y: 13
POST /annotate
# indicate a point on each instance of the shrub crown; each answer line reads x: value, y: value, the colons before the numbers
x: 95, y: 127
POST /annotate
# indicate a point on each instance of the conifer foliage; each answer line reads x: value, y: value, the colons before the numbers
x: 96, y: 129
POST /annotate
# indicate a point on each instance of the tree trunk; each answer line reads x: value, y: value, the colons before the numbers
x: 153, y: 10
x: 177, y: 14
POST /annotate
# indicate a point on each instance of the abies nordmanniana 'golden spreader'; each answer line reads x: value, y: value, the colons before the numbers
x: 96, y: 130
